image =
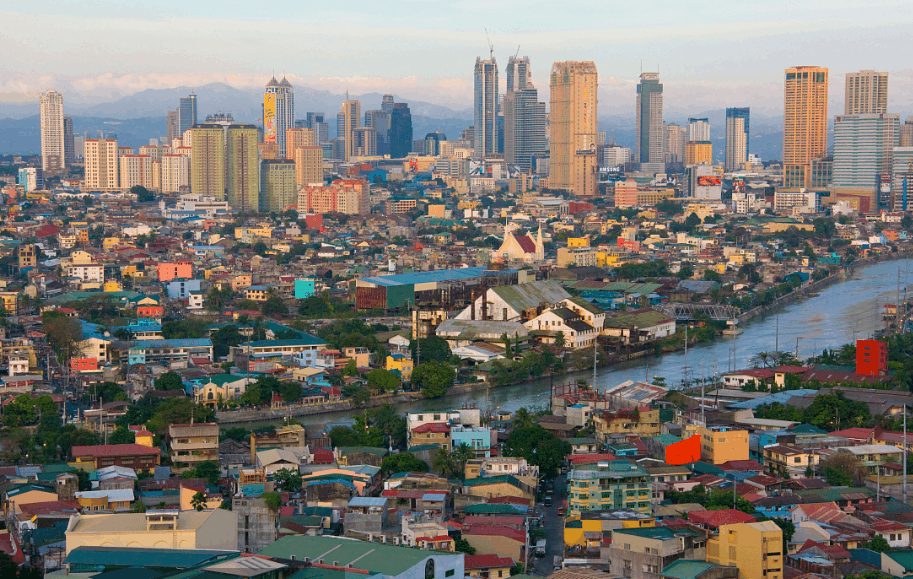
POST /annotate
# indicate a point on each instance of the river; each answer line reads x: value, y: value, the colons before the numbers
x: 837, y: 315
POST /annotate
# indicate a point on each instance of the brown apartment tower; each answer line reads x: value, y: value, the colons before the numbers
x: 572, y: 127
x: 804, y: 123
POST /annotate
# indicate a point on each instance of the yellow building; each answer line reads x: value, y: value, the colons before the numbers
x: 652, y: 197
x: 209, y: 529
x: 109, y: 242
x: 212, y: 501
x: 577, y: 529
x: 105, y: 500
x: 756, y: 549
x: 789, y: 461
x: 804, y: 123
x: 308, y: 165
x: 128, y: 270
x: 145, y: 438
x: 573, y: 166
x: 400, y: 363
x: 697, y: 152
x: 721, y: 444
x: 636, y: 421
x: 10, y: 302
x: 111, y: 286
x: 28, y: 494
x: 207, y: 160
x: 578, y: 241
x: 435, y: 210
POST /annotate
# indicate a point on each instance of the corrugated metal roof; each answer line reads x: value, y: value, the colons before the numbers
x: 529, y: 295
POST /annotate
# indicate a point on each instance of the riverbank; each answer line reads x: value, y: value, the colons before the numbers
x: 673, y: 363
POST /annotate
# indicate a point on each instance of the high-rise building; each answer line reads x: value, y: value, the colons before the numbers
x: 298, y: 137
x: 379, y: 120
x: 172, y: 127
x: 573, y: 86
x: 863, y: 151
x: 524, y: 120
x: 906, y: 133
x: 347, y: 121
x: 308, y: 165
x: 804, y: 122
x: 386, y: 104
x: 866, y: 92
x: 317, y: 122
x: 101, y: 165
x: 278, y: 112
x: 400, y: 131
x: 364, y: 142
x: 697, y: 152
x: 485, y: 107
x: 53, y: 155
x: 187, y: 113
x: 736, y: 137
x: 278, y: 189
x: 175, y: 173
x: 243, y: 168
x: 518, y: 73
x: 649, y: 119
x: 69, y: 142
x: 674, y: 147
x: 902, y: 187
x: 31, y: 178
x: 135, y: 170
x: 207, y: 161
x: 698, y: 129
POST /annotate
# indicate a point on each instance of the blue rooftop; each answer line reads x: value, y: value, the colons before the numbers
x: 181, y: 343
x: 431, y: 276
x: 781, y: 397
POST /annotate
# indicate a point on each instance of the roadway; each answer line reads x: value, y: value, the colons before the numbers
x: 554, y: 526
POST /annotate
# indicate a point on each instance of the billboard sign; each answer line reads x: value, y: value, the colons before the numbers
x: 269, y: 118
x: 709, y: 181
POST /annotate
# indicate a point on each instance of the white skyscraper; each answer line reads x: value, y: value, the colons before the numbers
x: 698, y: 130
x: 283, y: 114
x: 52, y: 132
x: 485, y: 107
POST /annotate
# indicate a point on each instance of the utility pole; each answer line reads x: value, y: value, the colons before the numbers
x: 686, y: 340
x: 905, y: 452
x: 777, y: 339
x: 595, y: 342
x: 897, y: 307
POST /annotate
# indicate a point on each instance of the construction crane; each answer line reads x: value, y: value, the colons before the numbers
x: 491, y: 48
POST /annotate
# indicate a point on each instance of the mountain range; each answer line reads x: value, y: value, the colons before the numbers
x: 141, y: 116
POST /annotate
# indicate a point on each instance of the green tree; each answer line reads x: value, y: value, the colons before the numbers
x: 288, y: 480
x: 350, y: 369
x: 463, y: 546
x: 560, y: 340
x: 290, y: 391
x: 403, y: 462
x: 462, y: 454
x: 198, y: 501
x: 64, y: 334
x: 878, y: 544
x: 122, y: 435
x: 433, y: 349
x: 273, y: 501
x: 143, y: 195
x: 381, y: 380
x: 539, y: 447
x: 169, y: 381
x: 274, y: 306
x: 522, y: 418
x: 208, y: 469
x: 443, y: 463
x: 434, y: 378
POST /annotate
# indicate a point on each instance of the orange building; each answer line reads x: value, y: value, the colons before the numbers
x: 299, y: 137
x: 150, y: 311
x: 179, y: 270
x: 697, y: 152
x: 804, y: 123
x: 83, y: 364
x: 871, y: 358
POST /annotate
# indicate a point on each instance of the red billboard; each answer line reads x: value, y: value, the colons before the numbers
x: 709, y: 181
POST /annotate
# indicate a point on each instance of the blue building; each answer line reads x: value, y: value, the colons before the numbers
x: 477, y: 438
x: 304, y: 288
x: 181, y: 288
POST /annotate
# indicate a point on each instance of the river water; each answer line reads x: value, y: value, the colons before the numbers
x: 841, y: 312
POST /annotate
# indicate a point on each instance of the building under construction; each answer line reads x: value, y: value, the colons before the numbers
x: 445, y: 289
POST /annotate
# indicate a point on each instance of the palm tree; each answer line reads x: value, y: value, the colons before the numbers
x: 198, y: 501
x: 443, y: 463
x: 522, y: 418
x: 460, y: 456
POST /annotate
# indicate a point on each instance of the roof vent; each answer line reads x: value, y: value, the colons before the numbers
x: 335, y: 563
x: 307, y: 559
x: 294, y: 557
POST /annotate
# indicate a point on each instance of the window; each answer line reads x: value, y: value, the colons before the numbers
x: 450, y: 573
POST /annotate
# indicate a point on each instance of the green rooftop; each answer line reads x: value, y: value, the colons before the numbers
x: 372, y: 557
x: 687, y: 568
x: 115, y: 557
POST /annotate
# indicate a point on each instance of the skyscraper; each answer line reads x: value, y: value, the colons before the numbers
x: 172, y: 128
x: 69, y: 142
x: 524, y: 117
x: 317, y: 122
x: 674, y: 147
x: 175, y: 173
x: 348, y: 120
x: 906, y: 133
x: 736, y: 137
x: 804, y: 122
x: 400, y: 131
x: 53, y: 155
x: 278, y: 189
x: 379, y: 120
x: 187, y: 113
x: 386, y: 104
x: 485, y: 107
x: 298, y: 137
x: 698, y: 129
x: 517, y: 73
x: 308, y: 165
x: 364, y: 142
x: 863, y: 151
x: 572, y: 165
x: 207, y: 160
x: 135, y: 170
x: 649, y: 119
x: 278, y: 112
x: 101, y: 165
x: 243, y: 167
x: 866, y: 92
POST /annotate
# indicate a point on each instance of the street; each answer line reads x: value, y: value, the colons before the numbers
x: 554, y: 526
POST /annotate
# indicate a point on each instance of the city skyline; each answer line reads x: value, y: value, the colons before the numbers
x: 699, y: 73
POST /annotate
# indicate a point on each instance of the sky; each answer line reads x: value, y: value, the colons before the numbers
x: 710, y: 54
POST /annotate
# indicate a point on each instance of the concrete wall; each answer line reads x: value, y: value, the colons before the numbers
x: 256, y: 524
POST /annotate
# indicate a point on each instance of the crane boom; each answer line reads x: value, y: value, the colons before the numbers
x: 491, y: 48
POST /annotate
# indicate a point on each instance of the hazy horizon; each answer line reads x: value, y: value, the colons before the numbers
x: 97, y: 51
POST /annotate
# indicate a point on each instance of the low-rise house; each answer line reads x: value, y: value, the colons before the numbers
x: 191, y: 444
x: 500, y: 540
x: 140, y: 458
x: 643, y: 553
